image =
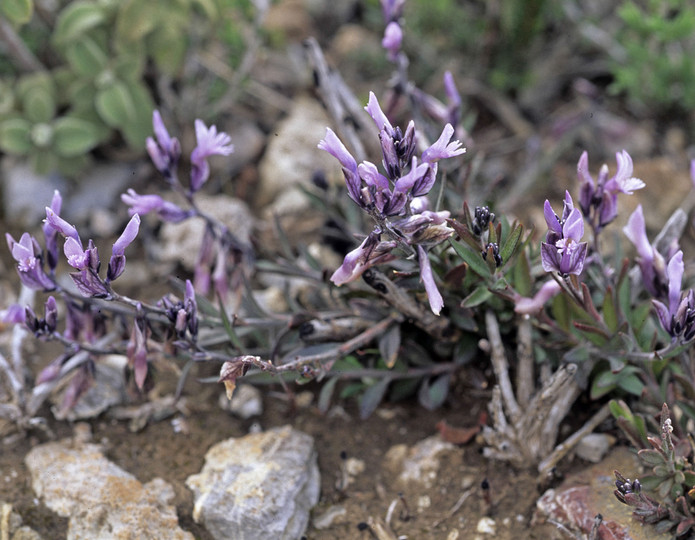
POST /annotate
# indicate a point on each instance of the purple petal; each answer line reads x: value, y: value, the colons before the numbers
x: 374, y: 110
x: 160, y: 131
x: 636, y: 232
x: 574, y: 226
x: 551, y: 218
x: 372, y: 177
x: 573, y: 258
x: 531, y: 306
x: 442, y: 148
x: 674, y: 271
x: 550, y: 258
x: 77, y: 257
x: 663, y: 314
x: 452, y: 93
x: 334, y: 146
x: 416, y: 173
x: 433, y: 294
x: 62, y: 226
x: 127, y: 237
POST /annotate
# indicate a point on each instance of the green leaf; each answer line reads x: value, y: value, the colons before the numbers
x: 603, y: 384
x: 389, y: 345
x: 18, y: 12
x: 474, y: 260
x: 480, y: 295
x: 75, y: 20
x: 511, y: 243
x: 115, y: 105
x: 650, y: 482
x: 610, y: 311
x: 228, y: 327
x: 632, y: 384
x: 15, y: 136
x: 139, y: 128
x: 136, y: 19
x: 74, y: 136
x: 86, y: 57
x: 372, y: 396
x: 651, y: 457
x: 209, y: 8
x: 326, y: 394
x: 432, y: 396
x: 522, y: 276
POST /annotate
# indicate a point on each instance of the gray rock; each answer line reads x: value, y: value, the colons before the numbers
x: 101, y: 190
x: 180, y: 242
x: 594, y: 446
x: 292, y: 157
x: 102, y: 500
x: 27, y: 194
x: 258, y: 487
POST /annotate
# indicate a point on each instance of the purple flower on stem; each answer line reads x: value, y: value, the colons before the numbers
x: 137, y: 353
x: 332, y: 144
x: 393, y: 36
x: 370, y: 252
x: 678, y: 319
x: 117, y: 260
x: 599, y: 199
x: 62, y: 226
x: 77, y: 257
x: 442, y: 148
x: 392, y: 9
x: 433, y: 294
x: 27, y: 253
x: 14, y: 314
x: 144, y: 204
x: 210, y: 142
x: 651, y: 262
x: 562, y: 251
x: 165, y: 151
x: 51, y: 235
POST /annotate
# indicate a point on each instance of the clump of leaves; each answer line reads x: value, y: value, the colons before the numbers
x: 671, y: 480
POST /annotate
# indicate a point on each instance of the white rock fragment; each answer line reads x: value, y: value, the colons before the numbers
x: 257, y: 487
x: 486, y: 525
x: 245, y: 403
x: 326, y: 520
x: 101, y: 500
x: 419, y: 463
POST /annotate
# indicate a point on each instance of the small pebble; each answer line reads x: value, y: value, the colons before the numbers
x: 486, y: 526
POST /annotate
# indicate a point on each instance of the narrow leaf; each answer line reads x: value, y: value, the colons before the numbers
x: 372, y: 396
x: 474, y: 259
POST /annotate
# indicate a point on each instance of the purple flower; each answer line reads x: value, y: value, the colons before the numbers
x: 599, y: 199
x: 27, y: 253
x: 562, y: 251
x: 117, y: 260
x: 433, y: 294
x: 678, y: 319
x: 372, y: 251
x: 374, y: 110
x: 136, y: 351
x: 50, y: 314
x: 51, y: 235
x: 77, y: 257
x: 651, y: 262
x: 210, y: 142
x: 392, y: 9
x: 143, y: 204
x: 165, y: 151
x: 62, y: 226
x: 393, y: 36
x: 191, y: 307
x: 14, y: 314
x: 531, y: 306
x: 443, y: 149
x: 332, y: 144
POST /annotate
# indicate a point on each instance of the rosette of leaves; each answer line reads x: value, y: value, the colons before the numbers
x: 671, y: 480
x: 103, y: 78
x: 35, y: 131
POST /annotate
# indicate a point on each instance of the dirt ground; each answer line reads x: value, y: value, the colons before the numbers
x: 434, y: 513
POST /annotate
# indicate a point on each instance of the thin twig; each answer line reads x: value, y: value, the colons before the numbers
x: 525, y: 362
x: 501, y: 366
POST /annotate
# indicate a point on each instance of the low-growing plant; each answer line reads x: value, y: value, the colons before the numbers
x: 426, y: 287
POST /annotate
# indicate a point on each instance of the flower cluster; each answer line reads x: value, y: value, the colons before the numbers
x: 396, y: 200
x: 563, y: 250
